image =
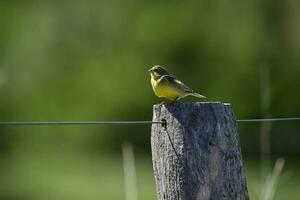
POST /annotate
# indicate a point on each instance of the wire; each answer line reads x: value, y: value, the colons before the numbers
x: 59, y: 123
x: 270, y: 119
x: 78, y: 123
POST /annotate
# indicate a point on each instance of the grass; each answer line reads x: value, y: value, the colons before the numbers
x: 288, y: 182
x: 71, y: 175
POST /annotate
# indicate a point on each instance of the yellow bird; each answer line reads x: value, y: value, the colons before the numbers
x: 167, y: 86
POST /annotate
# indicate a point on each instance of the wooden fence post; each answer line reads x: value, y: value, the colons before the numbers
x: 197, y: 155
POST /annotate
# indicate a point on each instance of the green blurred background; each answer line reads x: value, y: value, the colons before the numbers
x: 88, y: 60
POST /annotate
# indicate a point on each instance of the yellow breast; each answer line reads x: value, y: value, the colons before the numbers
x: 165, y: 90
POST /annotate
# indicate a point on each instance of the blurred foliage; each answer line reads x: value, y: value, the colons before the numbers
x: 87, y: 60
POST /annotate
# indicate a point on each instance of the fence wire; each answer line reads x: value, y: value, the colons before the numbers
x: 59, y: 123
x: 112, y: 122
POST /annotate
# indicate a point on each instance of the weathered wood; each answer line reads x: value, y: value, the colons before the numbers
x: 201, y: 158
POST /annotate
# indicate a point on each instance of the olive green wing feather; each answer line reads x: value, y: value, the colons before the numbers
x: 176, y: 84
x: 179, y: 86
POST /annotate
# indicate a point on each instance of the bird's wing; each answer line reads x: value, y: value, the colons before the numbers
x: 171, y: 80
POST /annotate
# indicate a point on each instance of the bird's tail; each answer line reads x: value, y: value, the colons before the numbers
x: 192, y: 94
x: 196, y: 95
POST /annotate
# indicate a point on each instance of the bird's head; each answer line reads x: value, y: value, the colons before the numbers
x: 157, y: 71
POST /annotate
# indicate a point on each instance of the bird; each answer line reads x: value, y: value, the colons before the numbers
x: 169, y: 87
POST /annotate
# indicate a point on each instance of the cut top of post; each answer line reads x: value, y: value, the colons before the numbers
x: 187, y: 112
